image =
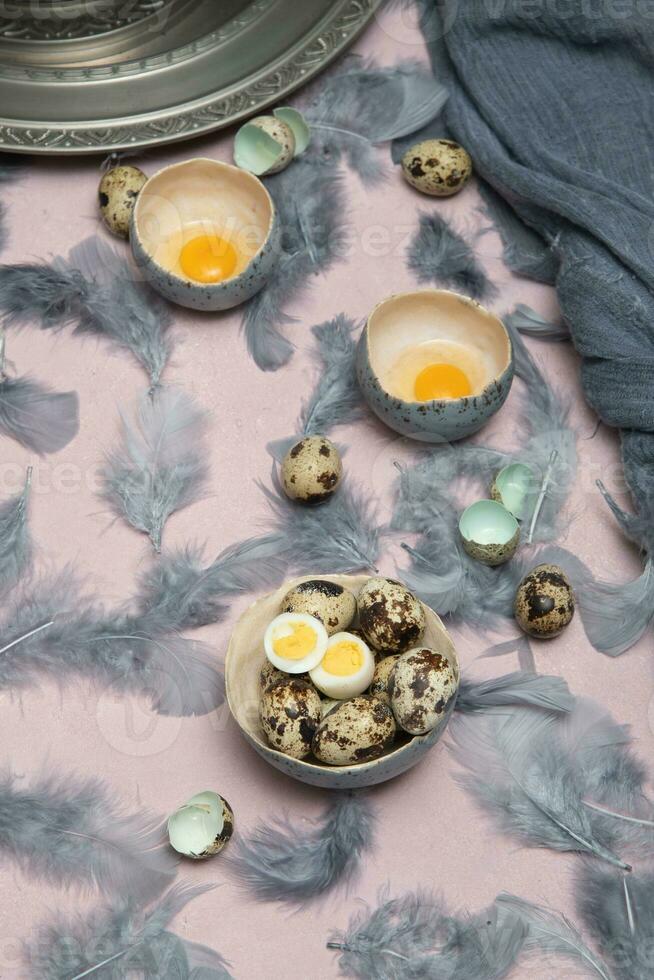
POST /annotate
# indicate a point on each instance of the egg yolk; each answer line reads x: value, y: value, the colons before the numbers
x: 441, y: 381
x: 208, y: 258
x: 342, y: 659
x: 296, y: 644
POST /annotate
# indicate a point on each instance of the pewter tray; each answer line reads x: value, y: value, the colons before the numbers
x: 85, y: 76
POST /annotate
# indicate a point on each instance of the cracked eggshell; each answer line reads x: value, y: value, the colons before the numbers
x: 381, y: 680
x: 490, y: 533
x: 268, y: 153
x: 359, y: 730
x: 437, y: 167
x: 298, y: 124
x: 202, y: 826
x: 311, y: 470
x: 329, y: 602
x: 290, y: 712
x: 516, y: 489
x: 408, y: 319
x: 390, y: 617
x: 423, y: 690
x: 544, y: 602
x: 118, y: 191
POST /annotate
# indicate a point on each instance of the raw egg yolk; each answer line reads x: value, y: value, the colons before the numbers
x: 297, y: 644
x: 441, y: 381
x: 208, y: 258
x: 343, y: 659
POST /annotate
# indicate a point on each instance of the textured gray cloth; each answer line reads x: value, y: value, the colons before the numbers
x: 555, y: 102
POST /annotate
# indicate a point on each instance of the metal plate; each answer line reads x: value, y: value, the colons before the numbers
x: 86, y: 76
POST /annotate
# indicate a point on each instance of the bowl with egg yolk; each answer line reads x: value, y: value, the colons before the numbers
x: 434, y: 365
x: 205, y: 234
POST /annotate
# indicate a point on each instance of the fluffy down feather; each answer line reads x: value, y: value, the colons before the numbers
x: 159, y: 466
x: 336, y: 399
x: 618, y: 912
x: 280, y: 862
x: 37, y: 418
x: 414, y: 936
x: 15, y: 538
x: 70, y: 832
x: 439, y: 255
x: 532, y: 324
x: 340, y: 535
x: 121, y: 940
x: 179, y: 592
x: 51, y: 630
x: 520, y: 688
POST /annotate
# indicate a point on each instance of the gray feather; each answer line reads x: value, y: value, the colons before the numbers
x: 280, y: 862
x: 310, y: 201
x: 115, y: 651
x: 336, y: 399
x: 438, y: 254
x: 121, y: 940
x: 70, y: 832
x: 39, y: 419
x: 96, y: 291
x: 10, y: 169
x: 179, y: 592
x: 340, y: 535
x: 524, y: 251
x: 159, y: 466
x: 550, y: 932
x: 414, y: 936
x: 532, y: 324
x: 618, y: 912
x: 364, y: 105
x: 15, y: 538
x: 520, y: 688
x: 535, y: 773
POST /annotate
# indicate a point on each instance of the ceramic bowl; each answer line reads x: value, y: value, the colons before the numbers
x: 212, y: 198
x: 244, y: 660
x: 409, y: 319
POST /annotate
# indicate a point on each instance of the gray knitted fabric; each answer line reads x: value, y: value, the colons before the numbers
x: 555, y: 102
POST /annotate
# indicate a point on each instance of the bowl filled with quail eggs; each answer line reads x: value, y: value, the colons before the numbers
x: 341, y: 680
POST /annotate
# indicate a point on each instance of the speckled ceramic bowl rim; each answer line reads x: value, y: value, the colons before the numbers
x: 215, y: 286
x: 468, y: 301
x: 356, y: 582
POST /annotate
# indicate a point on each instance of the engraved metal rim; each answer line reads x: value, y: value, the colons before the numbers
x: 344, y: 24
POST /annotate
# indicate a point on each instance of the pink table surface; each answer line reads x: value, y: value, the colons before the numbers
x: 429, y: 833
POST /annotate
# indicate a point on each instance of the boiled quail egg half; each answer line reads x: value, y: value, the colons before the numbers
x: 295, y: 642
x: 347, y: 668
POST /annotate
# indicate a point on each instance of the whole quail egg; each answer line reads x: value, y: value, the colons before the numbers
x: 202, y: 826
x: 347, y: 668
x: 357, y: 731
x: 270, y: 675
x: 437, y: 167
x: 332, y: 604
x: 118, y: 191
x: 290, y: 712
x: 544, y: 603
x: 423, y: 686
x: 311, y: 470
x: 380, y: 686
x: 390, y: 617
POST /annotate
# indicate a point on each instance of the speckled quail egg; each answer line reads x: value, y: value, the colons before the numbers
x: 489, y: 532
x: 347, y: 668
x: 437, y: 167
x: 328, y: 704
x: 390, y: 617
x: 544, y: 603
x: 358, y: 731
x: 118, y: 191
x: 423, y: 686
x: 381, y: 679
x: 202, y: 826
x: 311, y: 470
x: 332, y: 604
x: 270, y: 675
x: 295, y: 642
x: 290, y: 712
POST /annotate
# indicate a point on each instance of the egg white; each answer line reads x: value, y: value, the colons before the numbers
x: 281, y: 626
x: 343, y: 687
